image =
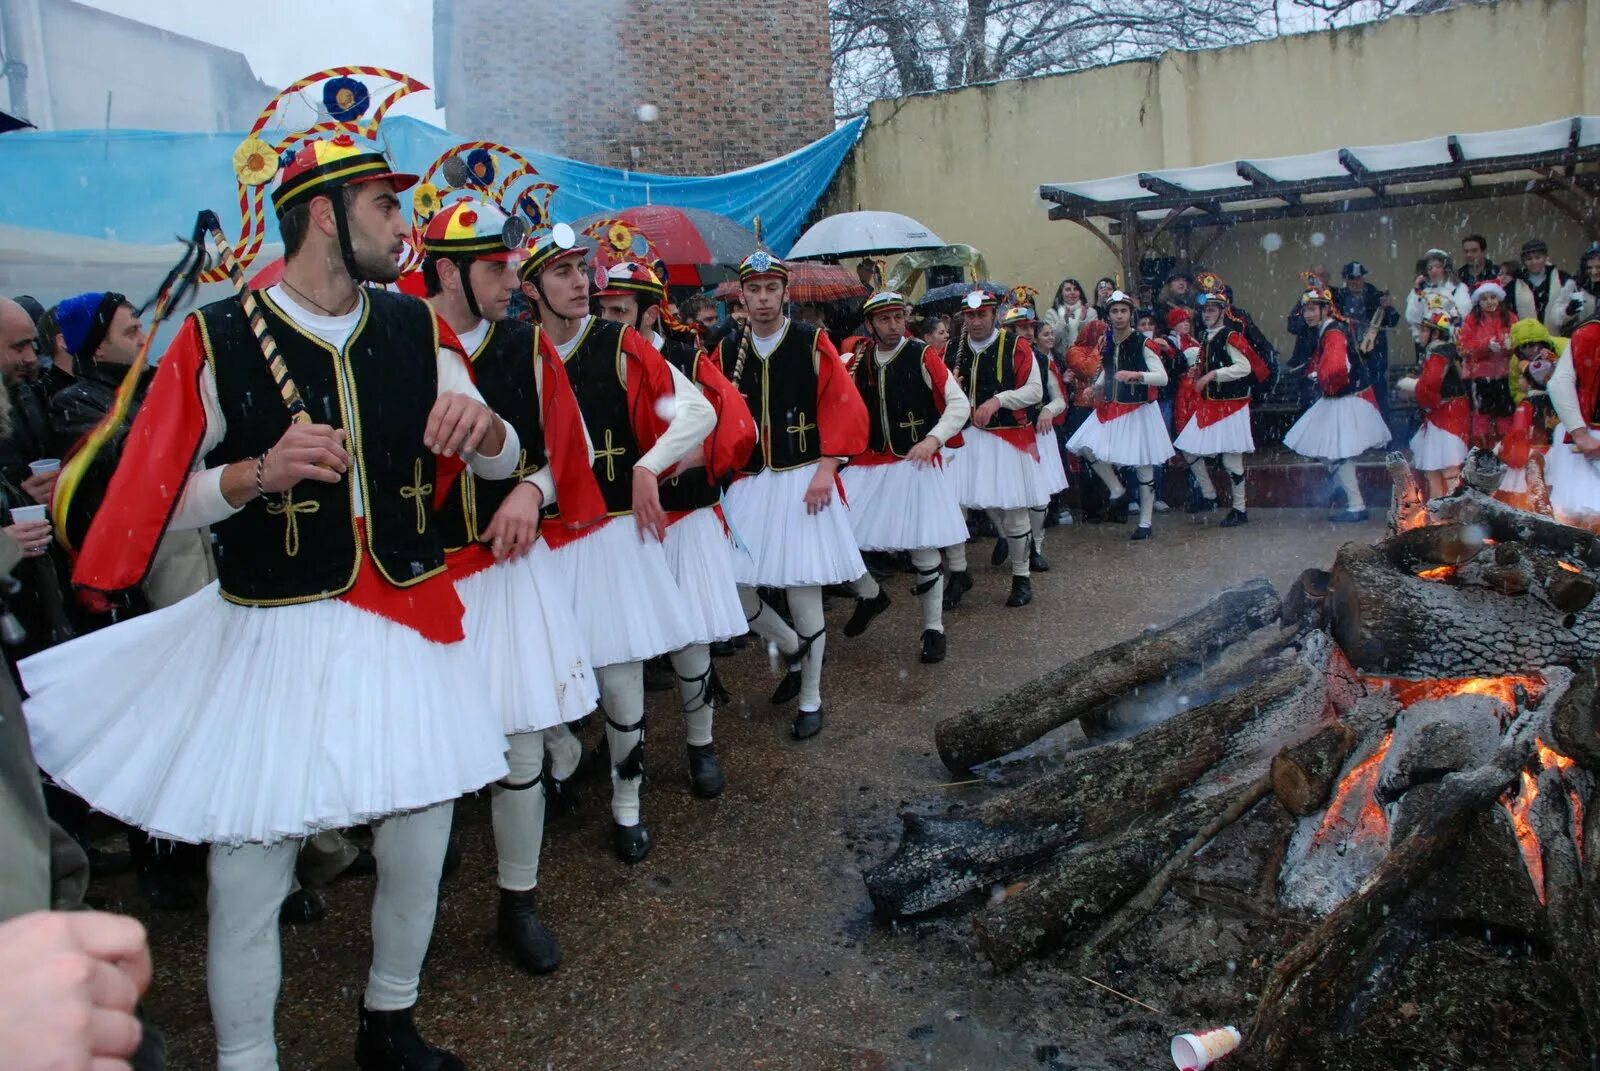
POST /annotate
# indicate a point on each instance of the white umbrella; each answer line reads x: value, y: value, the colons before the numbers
x: 863, y: 234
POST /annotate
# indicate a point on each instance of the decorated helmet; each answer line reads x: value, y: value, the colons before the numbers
x: 1317, y: 295
x: 1119, y: 297
x: 557, y: 243
x: 979, y: 299
x: 1019, y: 314
x: 1441, y: 324
x: 883, y: 301
x: 762, y: 265
x: 631, y: 277
x: 470, y: 227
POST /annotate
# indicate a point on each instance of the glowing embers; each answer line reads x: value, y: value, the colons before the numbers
x: 1553, y: 769
x: 1353, y: 811
x: 1438, y: 572
x: 1515, y: 691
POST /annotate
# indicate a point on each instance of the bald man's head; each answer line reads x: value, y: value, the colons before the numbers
x: 19, y: 359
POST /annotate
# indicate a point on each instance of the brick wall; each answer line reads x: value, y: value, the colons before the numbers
x: 736, y: 82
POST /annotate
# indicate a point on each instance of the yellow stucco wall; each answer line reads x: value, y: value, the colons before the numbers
x: 968, y: 163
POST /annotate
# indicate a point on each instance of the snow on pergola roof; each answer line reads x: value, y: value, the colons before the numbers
x: 1541, y: 160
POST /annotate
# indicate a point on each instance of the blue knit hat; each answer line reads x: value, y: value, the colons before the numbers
x: 84, y: 320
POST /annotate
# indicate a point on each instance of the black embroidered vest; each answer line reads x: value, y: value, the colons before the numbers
x: 596, y: 367
x: 1453, y: 386
x: 503, y: 368
x: 1124, y: 356
x: 991, y: 372
x: 301, y: 546
x: 1217, y: 357
x: 902, y: 408
x: 691, y: 489
x: 782, y: 394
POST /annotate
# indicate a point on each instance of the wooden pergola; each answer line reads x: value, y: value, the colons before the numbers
x: 1194, y: 206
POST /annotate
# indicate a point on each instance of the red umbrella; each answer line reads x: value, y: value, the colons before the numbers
x: 812, y: 283
x: 694, y: 243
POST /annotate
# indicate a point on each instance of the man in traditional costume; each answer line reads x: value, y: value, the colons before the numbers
x: 697, y: 543
x: 1215, y: 406
x: 1126, y: 428
x: 323, y: 681
x: 517, y: 620
x: 997, y: 467
x: 642, y: 418
x: 1344, y: 422
x: 901, y: 495
x: 810, y: 420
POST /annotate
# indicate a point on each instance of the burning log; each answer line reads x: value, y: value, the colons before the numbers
x: 1388, y: 621
x: 1306, y: 602
x: 1435, y: 544
x: 1086, y: 684
x: 1572, y: 908
x: 1097, y: 791
x: 1302, y: 776
x: 1312, y: 985
x: 1576, y: 724
x: 1507, y: 524
x: 1083, y: 886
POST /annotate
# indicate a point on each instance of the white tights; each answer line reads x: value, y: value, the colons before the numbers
x: 622, y: 703
x: 805, y: 605
x: 516, y: 810
x: 244, y: 960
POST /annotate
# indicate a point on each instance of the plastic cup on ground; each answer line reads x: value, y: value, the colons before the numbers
x: 44, y: 465
x: 1194, y: 1052
x: 24, y: 514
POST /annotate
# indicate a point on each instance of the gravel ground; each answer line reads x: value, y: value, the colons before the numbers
x: 746, y: 939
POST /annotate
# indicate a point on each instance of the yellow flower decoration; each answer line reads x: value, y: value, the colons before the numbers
x: 621, y: 237
x: 255, y: 162
x: 425, y: 199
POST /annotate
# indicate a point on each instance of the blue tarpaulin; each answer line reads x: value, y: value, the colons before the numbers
x: 144, y: 187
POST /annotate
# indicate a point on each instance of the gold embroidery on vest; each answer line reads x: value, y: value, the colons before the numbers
x: 913, y: 423
x: 418, y: 492
x: 610, y: 453
x: 290, y: 510
x: 800, y: 430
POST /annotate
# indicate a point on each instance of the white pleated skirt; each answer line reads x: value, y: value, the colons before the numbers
x: 992, y: 474
x: 1334, y: 429
x: 786, y: 547
x: 1230, y: 435
x: 904, y: 506
x: 1574, y: 481
x: 1136, y: 438
x: 1052, y: 473
x: 520, y: 625
x: 1434, y: 449
x: 210, y: 722
x: 701, y: 555
x: 620, y: 587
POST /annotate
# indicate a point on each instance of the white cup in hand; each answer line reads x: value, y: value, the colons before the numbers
x: 44, y: 466
x: 28, y: 514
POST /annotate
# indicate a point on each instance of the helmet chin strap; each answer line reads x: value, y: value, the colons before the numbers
x: 347, y: 250
x: 464, y: 269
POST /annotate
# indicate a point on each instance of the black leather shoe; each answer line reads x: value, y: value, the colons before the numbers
x: 1235, y: 518
x: 955, y: 586
x: 807, y: 723
x: 632, y: 842
x: 1348, y: 516
x: 302, y: 906
x: 1117, y: 509
x: 932, y: 645
x: 561, y: 798
x: 1140, y: 533
x: 1021, y: 591
x: 788, y: 688
x: 1037, y: 562
x: 1002, y: 551
x: 1197, y: 504
x: 724, y: 649
x: 529, y: 941
x: 706, y: 779
x: 388, y: 1041
x: 866, y: 610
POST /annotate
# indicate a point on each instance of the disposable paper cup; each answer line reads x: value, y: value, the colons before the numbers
x: 1193, y: 1052
x: 44, y: 465
x: 23, y: 514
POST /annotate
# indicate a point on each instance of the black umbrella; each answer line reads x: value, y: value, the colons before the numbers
x: 948, y: 298
x: 9, y: 122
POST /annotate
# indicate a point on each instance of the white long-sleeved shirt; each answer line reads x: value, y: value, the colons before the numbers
x: 1563, y: 390
x: 691, y: 419
x: 1238, y: 365
x: 957, y: 409
x: 543, y: 479
x: 203, y: 502
x: 1058, y: 401
x: 1030, y: 393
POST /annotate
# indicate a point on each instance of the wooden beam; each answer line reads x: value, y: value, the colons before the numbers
x: 1351, y: 163
x: 1161, y: 187
x: 1453, y: 145
x: 1255, y: 176
x: 1583, y: 214
x: 1105, y: 239
x: 1574, y: 133
x: 1211, y: 240
x: 1131, y: 250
